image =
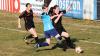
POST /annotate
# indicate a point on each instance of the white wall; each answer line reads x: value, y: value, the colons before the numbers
x: 88, y: 9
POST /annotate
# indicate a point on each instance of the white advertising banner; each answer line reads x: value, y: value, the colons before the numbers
x: 36, y: 5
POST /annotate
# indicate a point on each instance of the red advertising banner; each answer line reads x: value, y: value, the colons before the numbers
x: 16, y: 6
x: 10, y: 5
x: 3, y: 4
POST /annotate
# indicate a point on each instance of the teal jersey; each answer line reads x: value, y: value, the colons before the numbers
x: 47, y: 22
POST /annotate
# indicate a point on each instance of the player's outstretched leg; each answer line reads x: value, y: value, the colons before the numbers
x: 28, y: 39
x: 42, y: 44
x: 68, y: 40
x: 32, y: 36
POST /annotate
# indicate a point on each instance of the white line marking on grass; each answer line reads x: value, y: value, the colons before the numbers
x: 79, y: 25
x: 89, y: 42
x: 22, y: 31
x: 13, y: 30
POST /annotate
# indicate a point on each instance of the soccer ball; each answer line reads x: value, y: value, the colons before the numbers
x: 78, y: 50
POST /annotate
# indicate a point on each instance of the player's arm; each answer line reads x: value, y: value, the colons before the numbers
x: 58, y: 17
x: 52, y: 17
x: 19, y: 23
x: 19, y: 19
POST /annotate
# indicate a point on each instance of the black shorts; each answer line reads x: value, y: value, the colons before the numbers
x: 60, y: 30
x: 29, y: 26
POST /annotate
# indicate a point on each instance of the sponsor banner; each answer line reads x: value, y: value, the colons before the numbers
x: 36, y: 5
x: 80, y: 8
x: 95, y: 10
x: 76, y: 10
x: 10, y: 5
x: 1, y: 3
x: 16, y: 5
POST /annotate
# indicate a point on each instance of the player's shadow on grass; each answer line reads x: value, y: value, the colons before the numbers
x: 63, y: 45
x: 42, y: 40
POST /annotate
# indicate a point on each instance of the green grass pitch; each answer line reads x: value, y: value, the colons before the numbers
x: 12, y: 44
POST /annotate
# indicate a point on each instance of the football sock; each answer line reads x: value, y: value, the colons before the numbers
x: 36, y: 39
x: 43, y: 44
x: 69, y: 42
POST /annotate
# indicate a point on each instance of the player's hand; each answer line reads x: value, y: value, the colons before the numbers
x: 61, y: 14
x: 19, y: 26
x: 57, y: 15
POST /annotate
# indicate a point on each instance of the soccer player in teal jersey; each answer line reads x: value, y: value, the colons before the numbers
x: 49, y: 30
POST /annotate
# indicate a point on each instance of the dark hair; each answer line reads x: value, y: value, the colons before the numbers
x: 55, y: 6
x: 64, y: 11
x: 27, y: 4
x: 51, y: 10
x: 44, y: 6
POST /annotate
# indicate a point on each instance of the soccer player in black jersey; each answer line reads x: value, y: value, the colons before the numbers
x: 27, y: 15
x: 56, y: 16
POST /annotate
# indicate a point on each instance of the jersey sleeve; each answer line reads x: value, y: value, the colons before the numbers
x: 22, y: 15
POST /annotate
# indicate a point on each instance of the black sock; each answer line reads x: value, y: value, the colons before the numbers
x: 59, y: 38
x: 69, y: 42
x: 36, y: 39
x: 67, y: 39
x: 43, y: 44
x: 28, y: 37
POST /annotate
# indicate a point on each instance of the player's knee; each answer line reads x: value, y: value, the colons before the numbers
x: 48, y: 43
x: 57, y: 36
x: 60, y: 38
x: 35, y: 35
x: 65, y: 34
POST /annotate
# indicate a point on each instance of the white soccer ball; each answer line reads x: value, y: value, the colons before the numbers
x: 78, y: 50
